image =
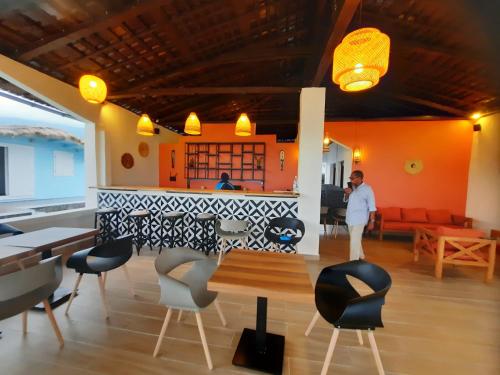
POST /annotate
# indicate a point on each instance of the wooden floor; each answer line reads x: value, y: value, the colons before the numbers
x: 432, y: 327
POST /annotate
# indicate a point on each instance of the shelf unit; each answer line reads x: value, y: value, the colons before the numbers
x: 242, y: 161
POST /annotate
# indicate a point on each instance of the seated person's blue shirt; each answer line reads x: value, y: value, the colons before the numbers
x: 224, y: 186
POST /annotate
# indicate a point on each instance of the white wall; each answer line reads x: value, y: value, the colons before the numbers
x: 336, y: 154
x: 311, y: 128
x: 20, y: 171
x: 483, y: 194
x: 117, y: 123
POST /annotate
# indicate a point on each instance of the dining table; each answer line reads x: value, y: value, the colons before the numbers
x: 16, y: 248
x: 263, y: 274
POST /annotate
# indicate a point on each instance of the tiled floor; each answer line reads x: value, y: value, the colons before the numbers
x: 432, y: 327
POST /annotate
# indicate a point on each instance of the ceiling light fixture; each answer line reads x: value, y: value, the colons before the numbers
x: 145, y: 126
x: 476, y: 116
x: 93, y: 89
x: 243, y: 126
x: 361, y: 59
x: 192, y: 125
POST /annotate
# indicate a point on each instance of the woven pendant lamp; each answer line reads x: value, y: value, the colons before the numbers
x: 92, y: 89
x: 243, y: 127
x: 145, y: 126
x: 361, y: 59
x: 192, y: 125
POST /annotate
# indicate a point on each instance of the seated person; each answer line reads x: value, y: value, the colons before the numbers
x: 224, y: 183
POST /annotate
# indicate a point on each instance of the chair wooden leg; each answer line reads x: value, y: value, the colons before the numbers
x: 129, y: 281
x: 204, y: 340
x: 312, y: 324
x: 360, y: 336
x: 53, y: 322
x: 329, y: 353
x: 25, y: 321
x: 223, y: 246
x: 73, y: 293
x: 179, y: 316
x: 491, y: 263
x: 219, y: 311
x: 375, y: 352
x: 162, y: 332
x: 103, y: 296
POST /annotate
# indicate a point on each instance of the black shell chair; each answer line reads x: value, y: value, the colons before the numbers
x: 283, y: 231
x: 341, y: 305
x: 23, y: 289
x: 9, y: 229
x: 101, y: 259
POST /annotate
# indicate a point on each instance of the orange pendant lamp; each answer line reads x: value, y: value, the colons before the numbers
x: 93, y: 89
x: 361, y: 59
x: 192, y: 125
x: 243, y: 126
x: 145, y: 126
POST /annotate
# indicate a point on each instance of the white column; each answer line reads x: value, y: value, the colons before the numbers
x: 311, y: 127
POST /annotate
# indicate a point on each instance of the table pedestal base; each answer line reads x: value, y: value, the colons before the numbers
x: 270, y: 360
x: 60, y: 296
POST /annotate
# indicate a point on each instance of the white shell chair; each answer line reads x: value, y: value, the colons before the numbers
x: 21, y: 290
x: 230, y: 230
x: 189, y: 292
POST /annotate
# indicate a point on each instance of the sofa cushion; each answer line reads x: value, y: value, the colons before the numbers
x: 415, y: 215
x: 439, y: 216
x: 391, y: 213
x: 399, y: 226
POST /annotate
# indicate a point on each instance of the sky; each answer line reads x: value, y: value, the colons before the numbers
x: 14, y: 113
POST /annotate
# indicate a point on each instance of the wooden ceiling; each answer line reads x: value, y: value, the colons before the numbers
x: 222, y: 57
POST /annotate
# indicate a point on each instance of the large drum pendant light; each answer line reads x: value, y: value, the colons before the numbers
x: 192, y: 125
x: 361, y: 59
x: 243, y: 126
x: 93, y: 89
x: 145, y: 126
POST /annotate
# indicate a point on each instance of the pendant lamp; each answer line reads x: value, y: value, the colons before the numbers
x: 361, y: 59
x: 93, y: 89
x: 243, y: 126
x: 192, y: 125
x: 145, y: 126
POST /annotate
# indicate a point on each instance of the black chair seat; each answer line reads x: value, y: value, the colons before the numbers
x: 9, y: 229
x: 332, y: 300
x: 285, y: 231
x: 102, y: 258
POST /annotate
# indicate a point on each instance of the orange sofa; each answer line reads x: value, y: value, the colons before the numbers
x: 406, y: 220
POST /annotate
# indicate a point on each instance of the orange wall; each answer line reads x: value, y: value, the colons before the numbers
x: 443, y: 146
x: 275, y: 179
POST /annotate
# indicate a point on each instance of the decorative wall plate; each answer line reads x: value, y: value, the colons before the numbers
x: 414, y: 166
x: 143, y: 149
x: 127, y: 160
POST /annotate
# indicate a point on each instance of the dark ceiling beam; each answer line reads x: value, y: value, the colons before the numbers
x: 429, y: 103
x: 95, y: 25
x: 180, y: 91
x: 340, y: 26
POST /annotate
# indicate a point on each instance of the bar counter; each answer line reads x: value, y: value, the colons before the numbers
x: 257, y: 207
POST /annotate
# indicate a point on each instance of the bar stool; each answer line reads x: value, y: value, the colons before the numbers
x: 103, y: 219
x: 207, y: 240
x: 170, y: 220
x: 137, y: 219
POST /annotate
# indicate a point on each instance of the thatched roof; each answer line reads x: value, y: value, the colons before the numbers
x: 38, y: 131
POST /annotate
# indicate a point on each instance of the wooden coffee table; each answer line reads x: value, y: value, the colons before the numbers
x: 264, y: 275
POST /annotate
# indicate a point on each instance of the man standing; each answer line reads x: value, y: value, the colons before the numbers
x: 360, y: 211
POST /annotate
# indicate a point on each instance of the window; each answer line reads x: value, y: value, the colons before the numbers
x: 64, y: 164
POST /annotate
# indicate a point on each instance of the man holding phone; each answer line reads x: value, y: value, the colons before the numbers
x: 360, y: 212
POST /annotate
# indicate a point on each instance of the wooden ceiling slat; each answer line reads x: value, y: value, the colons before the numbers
x: 87, y: 28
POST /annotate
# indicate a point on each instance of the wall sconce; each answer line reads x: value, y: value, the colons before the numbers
x: 327, y: 141
x: 356, y: 155
x: 282, y: 159
x: 476, y: 127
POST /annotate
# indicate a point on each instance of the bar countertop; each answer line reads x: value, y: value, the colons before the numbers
x: 276, y: 193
